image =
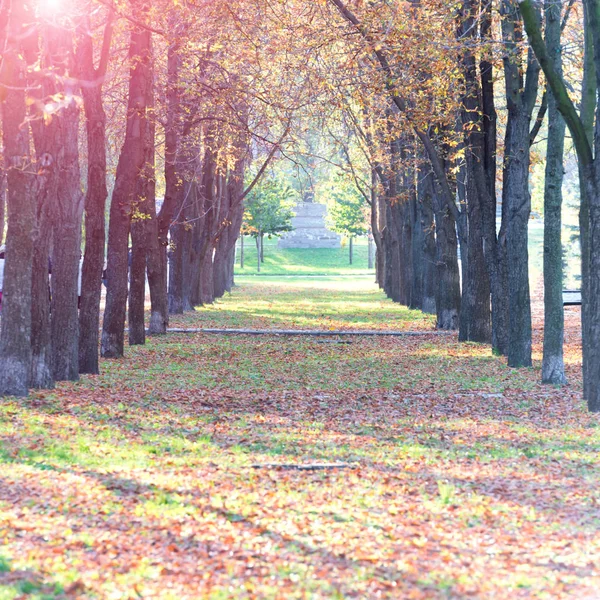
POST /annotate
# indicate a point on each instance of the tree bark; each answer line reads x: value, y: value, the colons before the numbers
x: 66, y: 249
x: 96, y: 194
x: 553, y: 368
x: 130, y: 163
x: 426, y: 227
x: 145, y: 252
x: 262, y: 248
x: 520, y: 96
x: 15, y: 335
x: 258, y: 252
x: 137, y: 278
x: 448, y: 297
x: 41, y: 376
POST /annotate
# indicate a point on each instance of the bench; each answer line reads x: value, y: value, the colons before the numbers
x: 571, y: 297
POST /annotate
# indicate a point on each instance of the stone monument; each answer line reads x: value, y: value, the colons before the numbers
x: 309, y: 228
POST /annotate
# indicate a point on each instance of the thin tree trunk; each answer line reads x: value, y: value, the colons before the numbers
x: 370, y: 262
x: 350, y: 248
x: 155, y: 257
x: 587, y: 112
x: 553, y: 368
x: 144, y: 238
x: 262, y: 249
x: 257, y: 238
x: 176, y: 269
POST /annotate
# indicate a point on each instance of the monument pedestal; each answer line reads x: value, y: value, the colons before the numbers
x: 309, y: 229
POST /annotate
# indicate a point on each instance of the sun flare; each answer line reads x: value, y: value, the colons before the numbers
x: 51, y: 7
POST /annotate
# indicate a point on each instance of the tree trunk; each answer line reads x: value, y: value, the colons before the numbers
x: 176, y: 269
x: 379, y: 220
x: 207, y: 282
x: 520, y: 96
x: 173, y: 201
x: 66, y: 253
x: 230, y: 284
x: 95, y: 199
x: 426, y: 226
x: 257, y: 238
x: 350, y: 248
x: 220, y: 266
x: 15, y: 334
x: 447, y: 299
x: 129, y: 166
x: 2, y: 203
x: 581, y: 129
x: 553, y: 368
x: 262, y: 248
x: 144, y: 239
x: 370, y: 262
x: 41, y: 339
x: 475, y: 318
x: 137, y: 280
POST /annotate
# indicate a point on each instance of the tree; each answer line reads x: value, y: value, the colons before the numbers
x: 553, y: 368
x: 268, y: 212
x: 15, y: 336
x: 346, y: 209
x: 131, y: 161
x: 92, y: 78
x: 588, y: 153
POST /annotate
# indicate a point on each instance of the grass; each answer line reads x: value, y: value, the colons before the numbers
x: 306, y: 303
x: 467, y: 479
x: 304, y: 262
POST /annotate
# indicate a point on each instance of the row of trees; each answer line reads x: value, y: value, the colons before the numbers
x: 407, y: 96
x: 432, y: 154
x: 156, y: 82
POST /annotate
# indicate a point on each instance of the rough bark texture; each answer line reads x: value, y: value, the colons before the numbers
x: 475, y: 323
x: 41, y: 375
x: 15, y: 335
x: 553, y: 369
x: 95, y: 198
x: 424, y: 251
x: 448, y: 295
x: 66, y: 249
x: 130, y: 163
x: 144, y: 232
x: 520, y: 96
x: 137, y: 280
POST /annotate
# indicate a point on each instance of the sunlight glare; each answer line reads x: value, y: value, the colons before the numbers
x: 50, y: 7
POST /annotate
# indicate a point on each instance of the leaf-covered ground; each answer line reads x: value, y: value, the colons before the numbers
x: 315, y: 302
x: 466, y: 479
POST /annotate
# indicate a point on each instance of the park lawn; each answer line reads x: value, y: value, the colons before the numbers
x: 465, y: 478
x: 313, y: 302
x: 300, y: 261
